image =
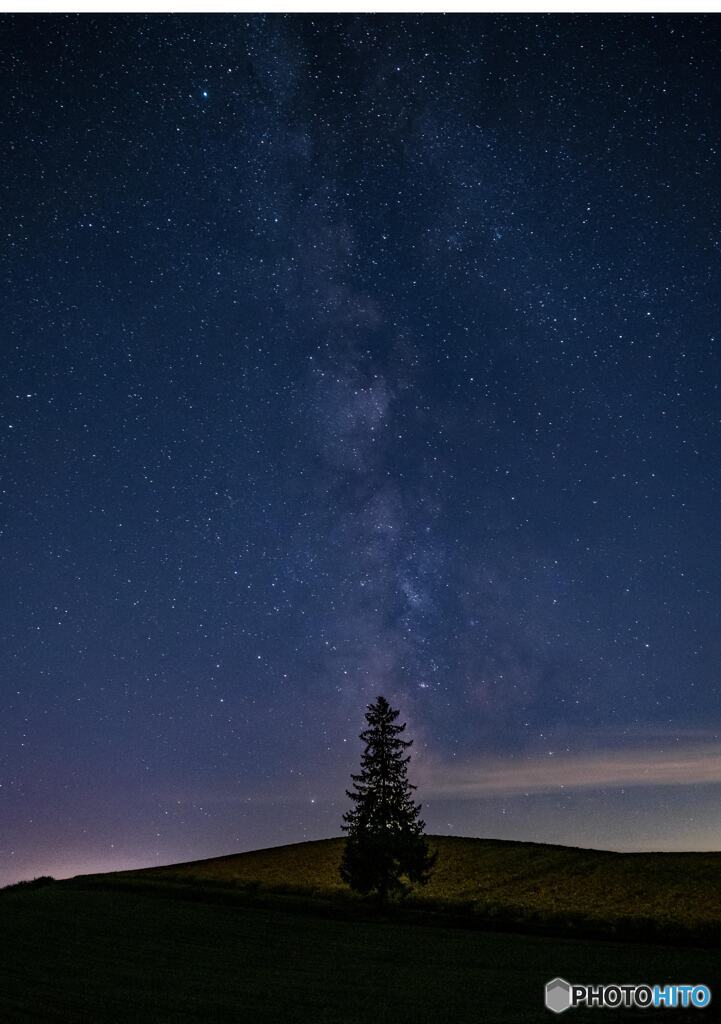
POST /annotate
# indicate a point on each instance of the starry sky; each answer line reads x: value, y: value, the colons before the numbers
x: 357, y: 355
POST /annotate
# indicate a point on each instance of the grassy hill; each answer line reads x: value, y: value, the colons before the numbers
x: 525, y: 886
x: 273, y: 936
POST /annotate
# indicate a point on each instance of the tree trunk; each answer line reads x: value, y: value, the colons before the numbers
x: 383, y: 893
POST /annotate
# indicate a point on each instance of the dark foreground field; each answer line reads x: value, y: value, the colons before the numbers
x: 77, y: 952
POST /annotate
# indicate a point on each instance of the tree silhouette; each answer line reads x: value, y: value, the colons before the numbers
x: 385, y: 850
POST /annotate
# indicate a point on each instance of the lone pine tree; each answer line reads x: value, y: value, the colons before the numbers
x: 386, y: 849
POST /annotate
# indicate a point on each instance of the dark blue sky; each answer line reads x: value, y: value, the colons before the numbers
x: 356, y: 355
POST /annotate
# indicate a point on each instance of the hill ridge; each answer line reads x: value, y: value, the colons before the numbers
x: 490, y: 882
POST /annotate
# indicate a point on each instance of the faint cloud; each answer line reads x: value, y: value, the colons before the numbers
x: 690, y: 765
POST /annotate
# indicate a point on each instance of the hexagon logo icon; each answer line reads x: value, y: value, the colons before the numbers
x: 558, y: 995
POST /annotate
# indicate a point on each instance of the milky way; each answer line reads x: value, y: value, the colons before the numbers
x: 357, y: 355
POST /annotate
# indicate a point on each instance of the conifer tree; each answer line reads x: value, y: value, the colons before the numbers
x: 386, y: 850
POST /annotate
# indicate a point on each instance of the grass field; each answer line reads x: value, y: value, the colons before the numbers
x: 274, y: 936
x: 90, y: 955
x: 526, y: 886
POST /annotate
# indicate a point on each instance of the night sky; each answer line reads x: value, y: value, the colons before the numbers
x: 357, y: 355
